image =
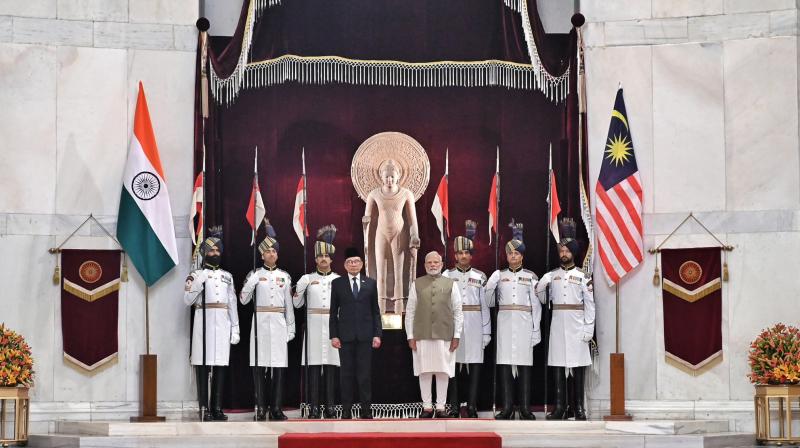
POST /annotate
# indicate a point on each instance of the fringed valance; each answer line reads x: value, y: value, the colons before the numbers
x: 336, y: 69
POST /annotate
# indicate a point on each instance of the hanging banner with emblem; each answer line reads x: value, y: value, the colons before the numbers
x: 692, y: 293
x: 89, y: 306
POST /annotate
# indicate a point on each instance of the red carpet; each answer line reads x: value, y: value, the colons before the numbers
x: 391, y: 440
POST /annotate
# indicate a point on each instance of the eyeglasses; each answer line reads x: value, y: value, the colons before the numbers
x: 354, y: 261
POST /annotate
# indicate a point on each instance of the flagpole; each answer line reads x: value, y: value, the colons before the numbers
x: 445, y: 217
x: 496, y: 268
x: 147, y: 318
x: 203, y: 222
x: 616, y: 290
x: 255, y: 296
x: 546, y: 310
x: 305, y: 293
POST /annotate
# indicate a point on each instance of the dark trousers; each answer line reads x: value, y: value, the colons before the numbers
x: 356, y: 364
x: 314, y: 379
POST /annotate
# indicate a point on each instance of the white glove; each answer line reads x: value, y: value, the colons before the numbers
x: 235, y: 335
x: 486, y: 339
x: 536, y: 339
x: 586, y: 335
x: 200, y: 276
x: 291, y: 336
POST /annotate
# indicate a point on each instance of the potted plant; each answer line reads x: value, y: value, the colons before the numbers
x: 16, y: 362
x: 775, y: 370
x: 16, y: 378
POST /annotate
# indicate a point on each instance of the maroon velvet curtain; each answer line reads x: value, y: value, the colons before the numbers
x: 331, y: 121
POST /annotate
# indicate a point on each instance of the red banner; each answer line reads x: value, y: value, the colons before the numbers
x: 692, y: 293
x: 89, y: 306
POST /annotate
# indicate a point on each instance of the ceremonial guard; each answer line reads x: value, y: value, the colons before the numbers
x: 572, y: 324
x: 477, y: 322
x: 275, y: 317
x: 315, y: 289
x: 518, y: 317
x: 221, y: 324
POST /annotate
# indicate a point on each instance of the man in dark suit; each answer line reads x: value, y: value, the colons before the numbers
x: 355, y: 329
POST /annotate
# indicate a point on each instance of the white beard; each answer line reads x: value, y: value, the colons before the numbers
x: 433, y: 271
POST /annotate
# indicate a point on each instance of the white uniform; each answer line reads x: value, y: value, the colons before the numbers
x: 273, y: 291
x: 477, y: 322
x: 518, y: 317
x: 222, y: 318
x: 570, y: 329
x: 317, y: 287
x: 434, y: 355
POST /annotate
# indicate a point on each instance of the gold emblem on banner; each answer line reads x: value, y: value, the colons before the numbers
x: 90, y: 271
x: 690, y: 272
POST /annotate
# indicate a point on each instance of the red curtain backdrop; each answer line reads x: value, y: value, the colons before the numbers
x: 331, y: 121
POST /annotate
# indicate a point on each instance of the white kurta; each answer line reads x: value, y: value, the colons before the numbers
x: 220, y: 322
x: 517, y: 331
x: 477, y: 324
x: 316, y: 288
x: 434, y: 355
x: 570, y: 330
x: 272, y: 288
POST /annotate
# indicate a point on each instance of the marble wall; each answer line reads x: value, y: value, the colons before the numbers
x: 69, y: 73
x: 711, y: 89
x: 712, y: 93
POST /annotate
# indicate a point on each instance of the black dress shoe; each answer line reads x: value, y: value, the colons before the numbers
x: 314, y: 414
x: 505, y: 414
x: 347, y: 414
x: 526, y: 414
x: 426, y: 413
x: 277, y: 415
x: 329, y: 413
x: 557, y: 414
x: 261, y: 415
x: 218, y: 416
x: 472, y: 412
x: 443, y: 414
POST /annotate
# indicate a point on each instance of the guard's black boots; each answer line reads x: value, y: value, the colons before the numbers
x: 202, y: 393
x: 507, y: 386
x: 314, y: 372
x: 452, y: 396
x: 472, y: 397
x: 578, y: 378
x: 260, y: 387
x: 330, y: 391
x: 217, y: 381
x: 560, y: 411
x: 276, y: 410
x: 525, y: 393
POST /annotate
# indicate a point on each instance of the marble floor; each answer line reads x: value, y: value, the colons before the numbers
x: 522, y: 434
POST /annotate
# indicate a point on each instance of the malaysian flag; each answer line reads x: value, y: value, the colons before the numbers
x: 618, y: 212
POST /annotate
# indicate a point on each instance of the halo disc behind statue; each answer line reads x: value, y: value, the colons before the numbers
x: 410, y: 156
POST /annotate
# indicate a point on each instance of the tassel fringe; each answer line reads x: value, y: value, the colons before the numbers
x: 656, y: 277
x: 335, y: 69
x: 725, y: 271
x: 57, y: 275
x: 123, y: 276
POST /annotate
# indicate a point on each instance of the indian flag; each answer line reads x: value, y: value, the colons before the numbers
x: 144, y: 225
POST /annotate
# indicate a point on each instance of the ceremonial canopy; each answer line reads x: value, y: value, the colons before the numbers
x: 323, y: 76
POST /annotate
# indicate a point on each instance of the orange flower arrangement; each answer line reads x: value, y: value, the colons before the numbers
x: 775, y: 356
x: 16, y: 362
